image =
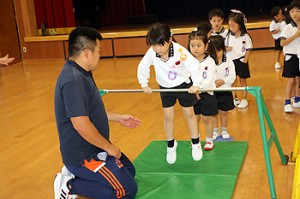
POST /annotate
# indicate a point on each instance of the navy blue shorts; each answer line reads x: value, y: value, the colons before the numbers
x: 241, y: 69
x: 185, y: 99
x: 291, y: 66
x: 207, y: 105
x: 224, y: 100
x: 277, y: 44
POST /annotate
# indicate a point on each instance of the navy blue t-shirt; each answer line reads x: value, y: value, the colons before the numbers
x: 77, y: 95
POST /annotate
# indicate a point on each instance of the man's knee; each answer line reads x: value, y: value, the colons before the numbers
x: 131, y: 189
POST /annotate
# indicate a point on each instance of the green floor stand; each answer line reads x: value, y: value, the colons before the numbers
x: 213, y: 177
x: 264, y: 115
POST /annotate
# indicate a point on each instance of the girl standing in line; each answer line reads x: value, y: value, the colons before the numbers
x: 203, y: 51
x: 238, y: 46
x: 225, y: 78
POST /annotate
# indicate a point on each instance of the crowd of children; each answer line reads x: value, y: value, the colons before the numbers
x: 215, y: 58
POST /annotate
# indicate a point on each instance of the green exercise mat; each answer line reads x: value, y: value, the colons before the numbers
x: 213, y: 177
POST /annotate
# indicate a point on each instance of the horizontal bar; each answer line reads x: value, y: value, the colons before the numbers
x: 173, y: 90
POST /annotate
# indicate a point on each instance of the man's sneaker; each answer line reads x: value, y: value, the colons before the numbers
x: 288, y: 108
x: 208, y: 146
x: 243, y: 104
x: 197, y: 151
x: 236, y: 102
x: 65, y: 171
x: 296, y: 104
x: 277, y: 65
x: 215, y: 135
x: 61, y: 190
x: 171, y: 153
x: 225, y: 135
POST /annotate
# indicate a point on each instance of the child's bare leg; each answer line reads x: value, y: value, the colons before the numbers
x: 289, y: 87
x: 215, y: 121
x: 296, y: 85
x: 223, y: 118
x: 169, y: 131
x: 169, y: 122
x: 296, y: 102
x: 191, y: 121
x: 208, y: 125
x: 243, y: 82
x: 234, y: 84
x: 215, y: 127
x: 209, y: 133
x: 224, y: 121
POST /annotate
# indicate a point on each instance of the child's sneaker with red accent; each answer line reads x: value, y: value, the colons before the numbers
x: 208, y: 146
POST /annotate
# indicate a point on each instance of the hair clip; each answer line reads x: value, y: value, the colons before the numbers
x: 239, y: 12
x: 236, y: 11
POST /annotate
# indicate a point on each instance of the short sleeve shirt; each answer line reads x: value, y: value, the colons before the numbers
x: 293, y: 46
x: 240, y: 45
x: 77, y: 95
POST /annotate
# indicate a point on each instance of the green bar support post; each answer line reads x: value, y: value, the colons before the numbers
x: 264, y: 114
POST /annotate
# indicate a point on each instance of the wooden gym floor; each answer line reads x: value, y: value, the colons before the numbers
x: 29, y: 145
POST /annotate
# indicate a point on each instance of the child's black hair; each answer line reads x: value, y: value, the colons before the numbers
x: 158, y: 34
x: 206, y: 41
x: 240, y: 19
x: 286, y: 14
x: 294, y: 4
x: 216, y: 43
x: 275, y: 11
x: 215, y: 12
x: 204, y: 27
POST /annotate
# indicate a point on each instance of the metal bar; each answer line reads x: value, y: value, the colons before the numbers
x: 172, y: 90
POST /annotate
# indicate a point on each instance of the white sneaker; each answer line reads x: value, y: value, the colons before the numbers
x: 65, y: 171
x: 296, y: 104
x: 288, y: 108
x: 225, y: 135
x: 236, y: 102
x: 243, y: 104
x: 171, y: 153
x: 277, y: 65
x: 215, y: 135
x: 197, y: 151
x: 61, y: 191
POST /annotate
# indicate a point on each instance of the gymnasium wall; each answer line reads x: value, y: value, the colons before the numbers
x: 116, y: 43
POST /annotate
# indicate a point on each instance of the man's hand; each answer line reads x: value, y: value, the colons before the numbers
x: 113, y: 150
x: 129, y: 121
